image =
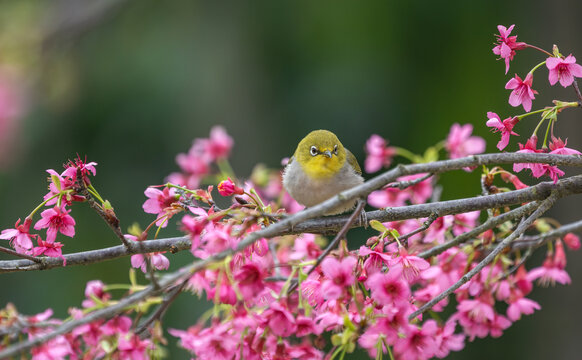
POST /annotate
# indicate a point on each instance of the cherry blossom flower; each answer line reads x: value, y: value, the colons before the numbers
x: 520, y: 306
x: 305, y: 248
x: 418, y: 342
x: 465, y: 221
x: 95, y: 289
x: 217, y: 146
x: 460, y: 143
x: 507, y: 45
x: 388, y: 288
x: 20, y: 237
x: 549, y: 273
x: 378, y: 154
x: 249, y: 279
x: 160, y: 202
x: 558, y: 146
x: 409, y: 265
x: 50, y: 249
x: 340, y: 274
x: 228, y: 188
x: 388, y: 197
x: 447, y: 340
x: 157, y: 260
x: 56, y: 220
x: 563, y: 70
x: 279, y: 319
x: 522, y: 93
x: 86, y: 168
x: 530, y: 148
x: 420, y: 192
x: 57, y: 348
x: 505, y: 127
x: 132, y: 347
x: 476, y: 317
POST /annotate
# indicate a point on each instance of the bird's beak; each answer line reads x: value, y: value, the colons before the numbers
x: 327, y: 153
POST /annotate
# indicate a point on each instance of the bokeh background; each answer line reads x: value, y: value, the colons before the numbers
x: 131, y: 83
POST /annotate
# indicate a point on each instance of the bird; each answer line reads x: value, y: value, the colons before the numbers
x: 321, y: 168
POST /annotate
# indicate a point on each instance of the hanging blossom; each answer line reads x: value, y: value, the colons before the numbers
x: 507, y: 45
x: 505, y: 127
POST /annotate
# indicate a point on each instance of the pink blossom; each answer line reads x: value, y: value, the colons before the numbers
x: 157, y: 260
x: 118, y: 325
x: 218, y: 145
x: 572, y: 241
x: 530, y: 148
x: 132, y: 347
x: 56, y: 220
x: 372, y: 339
x: 95, y: 289
x: 194, y: 226
x: 376, y: 260
x: 159, y: 202
x: 465, y: 221
x: 549, y: 273
x: 508, y: 177
x: 505, y: 127
x: 249, y: 279
x: 522, y: 93
x: 228, y: 188
x: 387, y: 197
x: 409, y: 265
x: 279, y: 319
x: 59, y: 185
x: 306, y: 326
x: 50, y: 249
x: 305, y: 248
x: 226, y: 293
x: 447, y: 340
x: 20, y: 237
x: 305, y: 351
x: 558, y: 146
x: 507, y: 45
x: 216, y: 239
x: 460, y: 143
x: 420, y: 192
x: 82, y: 166
x: 388, y: 288
x: 340, y: 274
x: 418, y: 342
x: 563, y: 70
x: 379, y: 154
x: 54, y: 349
x: 521, y: 306
x: 476, y: 317
x: 438, y: 229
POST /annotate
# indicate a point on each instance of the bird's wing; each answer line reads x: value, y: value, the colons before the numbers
x: 353, y: 162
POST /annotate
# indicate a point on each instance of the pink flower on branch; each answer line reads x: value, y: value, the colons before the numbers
x: 20, y: 237
x: 507, y: 45
x: 379, y: 154
x: 50, y: 249
x: 505, y: 127
x: 563, y: 70
x: 56, y: 220
x: 228, y: 188
x: 460, y: 143
x: 522, y: 93
x: 340, y: 274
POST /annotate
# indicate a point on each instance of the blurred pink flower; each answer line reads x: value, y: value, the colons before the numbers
x: 460, y: 143
x: 340, y: 274
x: 379, y: 154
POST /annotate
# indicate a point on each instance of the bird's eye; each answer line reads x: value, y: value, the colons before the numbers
x: 335, y: 150
x: 313, y: 151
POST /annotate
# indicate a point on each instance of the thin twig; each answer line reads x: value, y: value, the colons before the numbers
x: 544, y: 206
x: 489, y: 224
x: 578, y: 94
x: 161, y: 311
x: 332, y: 245
x: 17, y: 254
x: 403, y: 184
x: 425, y: 225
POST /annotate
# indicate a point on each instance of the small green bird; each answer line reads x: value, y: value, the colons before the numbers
x: 321, y: 168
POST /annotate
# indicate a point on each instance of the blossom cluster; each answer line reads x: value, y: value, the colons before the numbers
x: 562, y: 69
x: 56, y: 218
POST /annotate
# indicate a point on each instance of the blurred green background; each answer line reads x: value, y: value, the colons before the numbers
x: 131, y: 83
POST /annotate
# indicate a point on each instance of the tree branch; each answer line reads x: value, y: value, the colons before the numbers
x: 545, y: 206
x: 564, y: 187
